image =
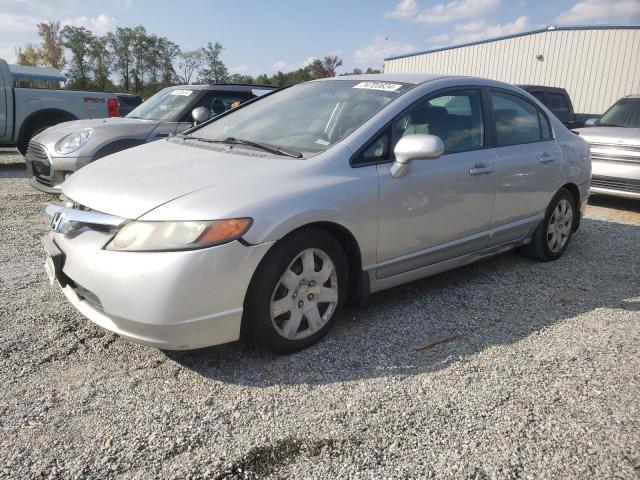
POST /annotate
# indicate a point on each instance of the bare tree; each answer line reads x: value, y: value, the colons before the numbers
x: 189, y: 65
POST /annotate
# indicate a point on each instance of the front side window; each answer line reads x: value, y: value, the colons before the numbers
x: 516, y: 120
x: 456, y: 117
x: 166, y: 105
x: 624, y: 113
x: 309, y: 117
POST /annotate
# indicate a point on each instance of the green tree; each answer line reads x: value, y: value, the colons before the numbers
x: 102, y: 60
x: 214, y: 70
x: 121, y: 42
x: 326, y: 67
x: 29, y: 56
x: 51, y: 46
x: 78, y: 40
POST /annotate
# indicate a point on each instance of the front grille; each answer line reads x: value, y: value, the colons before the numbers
x: 37, y: 155
x: 615, y: 153
x: 614, y: 146
x: 614, y: 183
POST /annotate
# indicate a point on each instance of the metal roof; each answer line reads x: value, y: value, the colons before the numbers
x: 46, y: 74
x: 551, y: 28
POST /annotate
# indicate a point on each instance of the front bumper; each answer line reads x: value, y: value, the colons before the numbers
x: 614, y: 174
x: 49, y: 173
x: 169, y: 300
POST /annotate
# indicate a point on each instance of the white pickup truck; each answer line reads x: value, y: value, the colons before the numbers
x: 24, y: 112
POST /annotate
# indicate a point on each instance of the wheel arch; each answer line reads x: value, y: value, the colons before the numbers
x: 40, y: 115
x: 359, y: 288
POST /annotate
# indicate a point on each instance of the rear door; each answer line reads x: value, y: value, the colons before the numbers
x: 527, y: 165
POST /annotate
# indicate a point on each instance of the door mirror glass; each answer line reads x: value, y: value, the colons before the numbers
x: 415, y: 147
x: 200, y: 114
x: 591, y: 122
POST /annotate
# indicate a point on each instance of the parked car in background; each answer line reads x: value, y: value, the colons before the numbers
x: 59, y: 151
x: 614, y: 139
x: 25, y: 112
x: 555, y: 99
x: 262, y: 222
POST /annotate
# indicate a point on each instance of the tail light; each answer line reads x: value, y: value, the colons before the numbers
x: 113, y: 107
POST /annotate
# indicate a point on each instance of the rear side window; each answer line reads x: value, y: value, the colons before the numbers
x: 559, y: 103
x: 456, y: 117
x: 517, y: 121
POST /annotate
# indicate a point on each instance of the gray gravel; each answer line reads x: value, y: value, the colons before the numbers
x: 537, y: 375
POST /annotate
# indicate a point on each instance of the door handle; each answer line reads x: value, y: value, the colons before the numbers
x: 547, y: 158
x: 481, y: 169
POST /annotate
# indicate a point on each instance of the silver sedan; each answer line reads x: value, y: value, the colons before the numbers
x: 261, y: 223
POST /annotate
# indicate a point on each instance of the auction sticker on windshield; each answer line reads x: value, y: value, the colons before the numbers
x: 184, y: 93
x: 387, y: 87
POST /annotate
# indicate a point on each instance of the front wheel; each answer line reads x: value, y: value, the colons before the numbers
x: 294, y: 296
x: 552, y: 236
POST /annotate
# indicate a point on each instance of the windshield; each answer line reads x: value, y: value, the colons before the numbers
x: 624, y: 113
x: 309, y: 117
x: 166, y: 105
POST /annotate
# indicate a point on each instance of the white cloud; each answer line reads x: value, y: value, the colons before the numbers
x: 480, y: 30
x: 601, y: 11
x: 100, y: 25
x: 405, y: 9
x: 283, y: 66
x: 12, y: 22
x: 373, y: 54
x: 443, y: 12
x: 241, y: 69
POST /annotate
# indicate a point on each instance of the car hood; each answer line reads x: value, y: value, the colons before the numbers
x: 612, y: 135
x: 111, y: 127
x: 135, y: 181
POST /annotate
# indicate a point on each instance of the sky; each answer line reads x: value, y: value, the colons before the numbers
x: 264, y: 37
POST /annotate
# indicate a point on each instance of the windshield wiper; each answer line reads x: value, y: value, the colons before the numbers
x: 267, y: 148
x: 238, y: 141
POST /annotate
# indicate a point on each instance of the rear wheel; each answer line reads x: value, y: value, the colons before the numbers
x: 296, y: 292
x: 552, y: 236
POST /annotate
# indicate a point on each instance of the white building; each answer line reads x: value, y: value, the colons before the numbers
x: 596, y: 65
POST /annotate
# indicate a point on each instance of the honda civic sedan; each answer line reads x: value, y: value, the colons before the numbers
x: 262, y: 222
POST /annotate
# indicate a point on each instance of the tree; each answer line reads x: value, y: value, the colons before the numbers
x: 189, y: 65
x: 215, y: 70
x: 51, y: 48
x: 78, y: 40
x: 325, y: 68
x: 29, y: 56
x: 121, y: 43
x: 101, y: 59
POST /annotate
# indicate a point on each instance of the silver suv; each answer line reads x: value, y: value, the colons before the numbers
x: 615, y: 149
x: 261, y: 223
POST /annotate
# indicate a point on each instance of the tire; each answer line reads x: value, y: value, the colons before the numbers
x: 551, y: 238
x: 33, y: 130
x: 284, y: 286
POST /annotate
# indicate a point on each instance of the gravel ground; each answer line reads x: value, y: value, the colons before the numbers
x: 535, y: 373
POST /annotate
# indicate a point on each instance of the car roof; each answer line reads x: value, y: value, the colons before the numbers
x: 229, y: 87
x: 542, y: 87
x: 634, y: 95
x: 415, y: 79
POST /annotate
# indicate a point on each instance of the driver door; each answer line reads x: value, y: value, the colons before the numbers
x: 441, y: 208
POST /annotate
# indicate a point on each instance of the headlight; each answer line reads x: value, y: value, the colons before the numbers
x: 72, y: 142
x: 164, y: 236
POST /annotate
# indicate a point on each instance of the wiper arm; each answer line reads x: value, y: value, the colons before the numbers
x: 199, y: 139
x: 267, y: 148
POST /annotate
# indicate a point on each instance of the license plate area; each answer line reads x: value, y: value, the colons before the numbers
x: 54, y: 262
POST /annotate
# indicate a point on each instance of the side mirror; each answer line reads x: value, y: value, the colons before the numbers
x: 591, y: 122
x: 200, y: 114
x: 415, y: 147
